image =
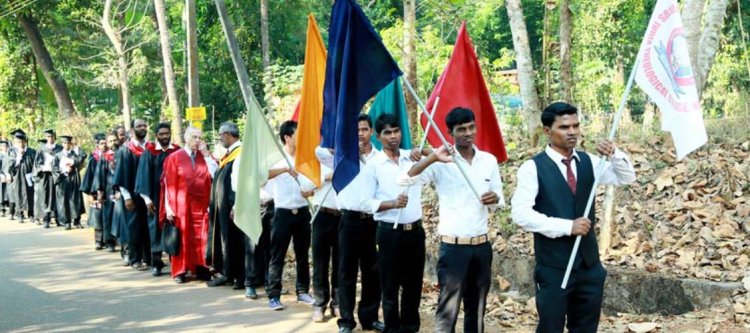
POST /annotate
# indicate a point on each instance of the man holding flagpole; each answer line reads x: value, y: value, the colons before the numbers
x: 550, y: 200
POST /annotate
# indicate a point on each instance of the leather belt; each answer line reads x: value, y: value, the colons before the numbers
x: 464, y: 240
x: 358, y: 214
x: 401, y: 226
x: 267, y: 203
x: 334, y: 212
x: 294, y: 211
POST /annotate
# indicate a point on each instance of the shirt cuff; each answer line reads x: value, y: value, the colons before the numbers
x: 405, y: 180
x: 146, y: 199
x: 125, y: 194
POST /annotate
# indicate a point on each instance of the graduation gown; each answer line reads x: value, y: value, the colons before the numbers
x: 95, y: 211
x: 225, y: 249
x: 4, y: 164
x: 187, y: 190
x: 102, y: 180
x: 21, y: 193
x: 67, y: 183
x: 147, y: 182
x: 45, y: 192
x: 126, y: 171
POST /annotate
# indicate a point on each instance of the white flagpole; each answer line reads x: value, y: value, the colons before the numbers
x: 421, y: 145
x: 600, y: 169
x: 321, y: 204
x: 443, y: 140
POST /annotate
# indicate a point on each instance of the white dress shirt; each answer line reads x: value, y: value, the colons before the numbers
x: 461, y: 213
x: 350, y: 197
x: 323, y: 191
x: 617, y: 172
x: 235, y: 166
x: 287, y: 193
x: 158, y: 146
x: 379, y: 183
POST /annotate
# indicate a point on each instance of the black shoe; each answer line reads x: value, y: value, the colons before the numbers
x: 250, y: 293
x: 38, y: 222
x: 345, y: 329
x: 238, y: 285
x: 179, y: 279
x: 156, y: 271
x: 46, y: 226
x: 374, y: 326
x: 111, y: 249
x: 78, y: 226
x: 58, y: 224
x: 98, y: 247
x: 202, y: 273
x: 21, y: 220
x: 12, y: 217
x: 217, y: 281
x: 67, y: 226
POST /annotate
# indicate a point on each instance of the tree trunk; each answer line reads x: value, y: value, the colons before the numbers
x: 410, y: 59
x: 529, y: 94
x: 566, y: 29
x: 709, y: 43
x: 692, y: 15
x: 122, y: 61
x: 265, y: 48
x: 164, y: 103
x: 65, y: 108
x: 607, y: 230
x: 626, y: 119
x: 166, y: 52
x: 194, y: 98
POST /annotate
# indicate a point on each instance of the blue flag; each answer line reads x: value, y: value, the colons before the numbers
x: 358, y: 66
x: 391, y: 100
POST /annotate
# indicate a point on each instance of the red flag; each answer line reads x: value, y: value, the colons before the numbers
x: 295, y: 115
x: 462, y: 85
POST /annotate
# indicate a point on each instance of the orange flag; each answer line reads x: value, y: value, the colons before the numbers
x: 311, y: 104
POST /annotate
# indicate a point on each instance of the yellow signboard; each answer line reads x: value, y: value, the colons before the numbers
x: 196, y: 113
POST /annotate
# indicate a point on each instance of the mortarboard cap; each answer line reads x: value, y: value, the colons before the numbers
x: 49, y: 131
x: 66, y: 138
x: 19, y: 134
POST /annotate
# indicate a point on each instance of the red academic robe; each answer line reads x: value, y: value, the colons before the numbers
x: 187, y: 190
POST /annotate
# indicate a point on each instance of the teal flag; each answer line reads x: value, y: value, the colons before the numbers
x: 391, y: 100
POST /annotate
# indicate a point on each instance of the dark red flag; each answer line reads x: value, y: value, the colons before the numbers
x: 462, y: 85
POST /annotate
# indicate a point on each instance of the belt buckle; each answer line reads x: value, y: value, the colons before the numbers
x: 295, y: 211
x: 474, y: 240
x: 408, y: 227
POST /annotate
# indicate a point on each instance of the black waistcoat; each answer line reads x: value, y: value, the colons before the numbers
x: 555, y: 199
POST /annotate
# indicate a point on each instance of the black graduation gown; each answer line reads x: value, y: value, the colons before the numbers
x: 67, y: 183
x: 4, y: 164
x: 126, y: 172
x: 148, y: 183
x: 21, y: 193
x: 220, y: 240
x: 45, y: 192
x: 95, y: 214
x: 102, y: 180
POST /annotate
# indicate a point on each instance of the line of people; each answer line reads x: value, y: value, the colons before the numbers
x: 371, y: 231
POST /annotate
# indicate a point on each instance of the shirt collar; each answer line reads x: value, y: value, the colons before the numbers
x: 557, y: 157
x: 402, y: 155
x: 477, y: 155
x: 138, y: 143
x: 189, y: 151
x: 234, y: 145
x: 159, y: 147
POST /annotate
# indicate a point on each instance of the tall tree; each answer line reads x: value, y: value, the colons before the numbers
x: 65, y: 107
x: 529, y: 95
x: 194, y: 98
x: 115, y: 37
x: 709, y: 42
x: 265, y: 47
x: 566, y: 29
x: 166, y: 53
x: 692, y: 16
x: 410, y: 58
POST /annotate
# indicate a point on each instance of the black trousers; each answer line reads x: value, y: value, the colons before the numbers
x: 401, y: 255
x: 287, y: 226
x: 233, y: 242
x: 464, y: 274
x: 580, y: 302
x: 154, y: 232
x: 258, y: 257
x: 139, y: 239
x: 357, y: 251
x: 325, y: 252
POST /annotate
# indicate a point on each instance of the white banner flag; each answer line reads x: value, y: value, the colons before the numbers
x: 665, y: 74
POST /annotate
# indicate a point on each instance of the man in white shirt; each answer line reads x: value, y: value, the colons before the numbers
x: 400, y: 236
x: 465, y: 256
x: 291, y: 221
x: 357, y: 249
x: 550, y: 200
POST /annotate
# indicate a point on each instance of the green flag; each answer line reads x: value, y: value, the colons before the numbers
x: 259, y: 153
x: 391, y: 100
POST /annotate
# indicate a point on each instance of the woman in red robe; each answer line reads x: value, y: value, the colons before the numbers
x: 186, y: 186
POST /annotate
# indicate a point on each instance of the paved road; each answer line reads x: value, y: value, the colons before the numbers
x: 53, y: 281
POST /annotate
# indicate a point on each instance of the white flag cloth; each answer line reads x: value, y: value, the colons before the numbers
x: 665, y: 74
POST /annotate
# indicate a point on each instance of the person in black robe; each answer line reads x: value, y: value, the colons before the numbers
x: 4, y: 178
x: 101, y: 184
x: 45, y: 191
x: 95, y: 209
x: 21, y: 170
x: 135, y: 219
x: 148, y: 186
x: 67, y: 177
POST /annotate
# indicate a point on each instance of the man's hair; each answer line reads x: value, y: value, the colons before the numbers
x: 458, y: 116
x: 287, y: 128
x: 229, y: 128
x: 162, y: 125
x: 189, y: 132
x: 132, y: 123
x: 364, y: 117
x: 554, y: 110
x: 386, y: 119
x: 117, y: 128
